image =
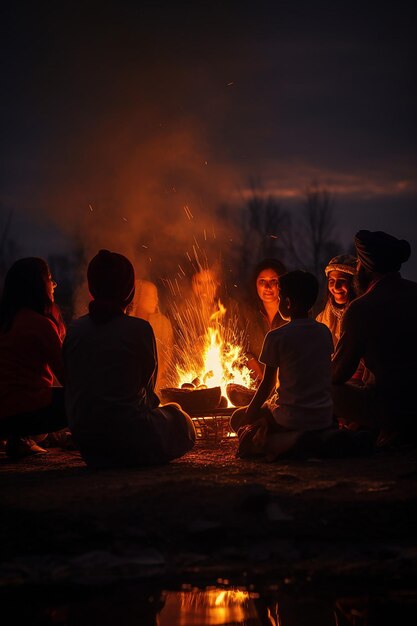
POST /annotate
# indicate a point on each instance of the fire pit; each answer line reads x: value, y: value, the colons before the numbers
x: 213, y: 425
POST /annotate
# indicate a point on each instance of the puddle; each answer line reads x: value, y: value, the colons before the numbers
x: 211, y: 606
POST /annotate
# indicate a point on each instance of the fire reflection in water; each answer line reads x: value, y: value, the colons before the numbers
x: 213, y: 607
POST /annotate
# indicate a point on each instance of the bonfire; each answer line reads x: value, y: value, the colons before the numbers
x: 214, y: 359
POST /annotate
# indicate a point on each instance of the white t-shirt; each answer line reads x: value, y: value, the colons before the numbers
x: 301, y: 350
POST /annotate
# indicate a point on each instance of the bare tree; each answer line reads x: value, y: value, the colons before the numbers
x: 264, y: 229
x: 311, y: 238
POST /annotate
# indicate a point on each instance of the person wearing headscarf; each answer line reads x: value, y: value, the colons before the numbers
x: 380, y: 328
x: 340, y: 272
x: 111, y: 367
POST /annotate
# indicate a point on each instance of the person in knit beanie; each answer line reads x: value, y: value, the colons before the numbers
x: 111, y: 366
x: 378, y: 253
x: 379, y: 327
x: 340, y: 273
x: 111, y: 282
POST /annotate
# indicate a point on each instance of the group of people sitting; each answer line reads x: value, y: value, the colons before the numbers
x: 351, y: 370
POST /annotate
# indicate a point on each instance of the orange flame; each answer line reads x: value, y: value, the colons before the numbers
x: 223, y: 360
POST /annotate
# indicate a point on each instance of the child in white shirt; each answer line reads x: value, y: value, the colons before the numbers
x: 297, y: 359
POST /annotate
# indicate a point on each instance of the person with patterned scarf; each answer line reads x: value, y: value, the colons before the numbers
x: 340, y: 272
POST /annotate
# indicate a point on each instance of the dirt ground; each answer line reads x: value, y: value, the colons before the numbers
x: 210, y: 516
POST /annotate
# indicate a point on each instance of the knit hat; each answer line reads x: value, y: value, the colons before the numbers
x: 111, y: 277
x: 342, y: 263
x: 381, y: 252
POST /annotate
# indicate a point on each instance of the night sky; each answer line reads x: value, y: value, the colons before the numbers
x: 115, y: 115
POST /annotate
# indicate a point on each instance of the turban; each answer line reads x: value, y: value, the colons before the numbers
x: 380, y: 252
x: 111, y: 281
x: 343, y: 263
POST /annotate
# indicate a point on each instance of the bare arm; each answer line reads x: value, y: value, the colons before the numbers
x: 263, y: 392
x: 254, y: 365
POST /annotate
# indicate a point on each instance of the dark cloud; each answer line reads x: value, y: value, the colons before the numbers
x: 139, y: 109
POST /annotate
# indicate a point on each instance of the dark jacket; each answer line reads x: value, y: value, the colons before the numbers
x: 381, y: 328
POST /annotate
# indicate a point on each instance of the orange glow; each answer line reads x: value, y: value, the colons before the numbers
x: 212, y: 607
x: 223, y: 359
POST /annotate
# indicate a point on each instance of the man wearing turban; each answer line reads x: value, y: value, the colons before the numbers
x: 111, y: 366
x: 379, y: 327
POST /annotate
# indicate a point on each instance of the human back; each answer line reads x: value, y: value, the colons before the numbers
x: 111, y: 366
x: 119, y: 383
x: 301, y: 349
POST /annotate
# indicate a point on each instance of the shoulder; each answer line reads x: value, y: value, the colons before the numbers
x: 277, y: 333
x: 37, y: 322
x: 136, y: 326
x: 134, y: 322
x: 322, y: 328
x: 357, y: 307
x: 78, y: 323
x: 129, y: 325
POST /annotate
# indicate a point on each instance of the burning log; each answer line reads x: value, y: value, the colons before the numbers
x: 214, y: 359
x: 239, y: 395
x: 193, y: 400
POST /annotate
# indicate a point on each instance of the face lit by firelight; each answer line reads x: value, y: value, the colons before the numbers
x: 50, y: 287
x: 267, y: 285
x: 146, y: 297
x: 338, y: 285
x: 205, y: 285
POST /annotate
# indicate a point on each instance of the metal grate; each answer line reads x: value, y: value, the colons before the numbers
x: 213, y: 425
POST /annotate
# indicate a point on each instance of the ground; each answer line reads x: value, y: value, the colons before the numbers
x: 347, y: 523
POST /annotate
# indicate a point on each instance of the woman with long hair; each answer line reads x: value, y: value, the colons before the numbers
x: 31, y: 334
x: 262, y: 311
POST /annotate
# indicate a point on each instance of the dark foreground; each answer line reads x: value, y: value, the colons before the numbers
x: 333, y: 528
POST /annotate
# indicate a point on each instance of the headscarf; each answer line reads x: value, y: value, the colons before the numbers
x: 342, y: 263
x: 380, y: 252
x: 111, y: 281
